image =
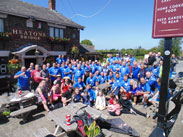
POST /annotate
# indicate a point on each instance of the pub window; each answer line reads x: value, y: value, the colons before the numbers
x: 61, y: 33
x: 1, y: 25
x: 51, y: 32
x: 56, y: 32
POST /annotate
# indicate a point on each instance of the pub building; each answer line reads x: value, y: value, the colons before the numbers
x: 32, y: 33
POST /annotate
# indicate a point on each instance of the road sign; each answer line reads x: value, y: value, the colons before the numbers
x: 168, y: 18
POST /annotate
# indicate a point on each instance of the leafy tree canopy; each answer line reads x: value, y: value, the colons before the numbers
x: 87, y: 42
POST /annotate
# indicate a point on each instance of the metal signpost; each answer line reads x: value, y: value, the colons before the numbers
x: 167, y: 23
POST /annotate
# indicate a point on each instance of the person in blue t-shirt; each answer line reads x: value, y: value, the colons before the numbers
x: 74, y: 67
x: 155, y: 69
x: 78, y: 73
x: 145, y: 90
x: 80, y: 84
x: 142, y: 72
x: 117, y: 78
x: 91, y: 80
x: 110, y: 76
x: 117, y: 58
x: 102, y: 78
x: 64, y: 71
x: 69, y: 72
x: 53, y: 72
x: 97, y: 74
x: 99, y: 67
x: 59, y: 59
x: 132, y: 59
x: 91, y: 94
x: 124, y: 69
x: 93, y: 67
x: 105, y: 70
x: 23, y: 77
x: 114, y: 67
x: 135, y: 71
x: 110, y: 59
x: 114, y: 88
x: 125, y: 84
x: 151, y: 80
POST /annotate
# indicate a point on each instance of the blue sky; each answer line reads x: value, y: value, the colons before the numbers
x: 122, y: 24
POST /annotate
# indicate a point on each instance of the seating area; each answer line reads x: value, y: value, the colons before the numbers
x: 73, y: 86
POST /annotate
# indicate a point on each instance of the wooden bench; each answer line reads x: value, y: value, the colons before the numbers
x: 24, y: 112
x: 107, y: 133
x: 42, y: 132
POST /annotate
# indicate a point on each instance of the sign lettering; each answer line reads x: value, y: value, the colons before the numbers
x: 28, y: 35
x: 168, y: 18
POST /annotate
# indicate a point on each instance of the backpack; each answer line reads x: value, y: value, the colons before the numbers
x: 82, y: 120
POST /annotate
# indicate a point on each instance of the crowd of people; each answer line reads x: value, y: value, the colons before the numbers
x: 69, y: 80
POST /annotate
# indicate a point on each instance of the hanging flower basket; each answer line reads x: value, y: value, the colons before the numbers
x: 5, y: 35
x: 57, y: 40
x: 13, y: 66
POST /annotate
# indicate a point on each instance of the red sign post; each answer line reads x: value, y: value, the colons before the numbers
x: 168, y: 23
x: 168, y: 18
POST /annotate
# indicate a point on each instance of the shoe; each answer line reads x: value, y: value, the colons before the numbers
x: 133, y: 103
x: 141, y: 103
x: 147, y: 115
x: 145, y: 106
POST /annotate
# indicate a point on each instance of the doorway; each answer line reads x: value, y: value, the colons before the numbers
x: 28, y: 61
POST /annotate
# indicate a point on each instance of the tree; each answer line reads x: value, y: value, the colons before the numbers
x: 176, y: 46
x: 87, y: 42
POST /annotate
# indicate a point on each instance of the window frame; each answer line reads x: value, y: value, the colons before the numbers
x: 59, y: 32
x: 3, y: 25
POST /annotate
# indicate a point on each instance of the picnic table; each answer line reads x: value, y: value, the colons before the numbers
x: 24, y: 104
x: 59, y: 116
x: 104, y: 86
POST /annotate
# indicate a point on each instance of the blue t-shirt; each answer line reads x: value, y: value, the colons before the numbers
x: 145, y: 87
x: 132, y: 60
x: 102, y: 79
x: 124, y: 71
x: 93, y: 69
x: 155, y: 70
x: 74, y: 67
x: 86, y: 68
x: 78, y: 73
x: 64, y: 70
x: 91, y: 81
x: 105, y: 71
x: 126, y: 85
x: 59, y: 60
x: 152, y: 82
x: 135, y: 71
x: 99, y: 68
x: 110, y: 60
x: 91, y: 94
x: 23, y: 81
x: 134, y: 91
x: 54, y: 71
x: 114, y: 67
x: 67, y: 71
x: 118, y: 80
x: 109, y: 77
x: 79, y: 85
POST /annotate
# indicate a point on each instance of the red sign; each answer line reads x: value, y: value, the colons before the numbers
x: 168, y: 18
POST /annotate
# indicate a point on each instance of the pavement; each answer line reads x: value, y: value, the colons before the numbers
x: 13, y: 127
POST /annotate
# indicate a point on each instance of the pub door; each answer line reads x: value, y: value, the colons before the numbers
x: 28, y: 61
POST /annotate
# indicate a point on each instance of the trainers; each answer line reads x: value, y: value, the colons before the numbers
x: 145, y: 106
x: 133, y: 103
x: 147, y: 115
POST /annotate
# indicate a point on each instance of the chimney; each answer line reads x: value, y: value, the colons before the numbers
x: 52, y: 4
